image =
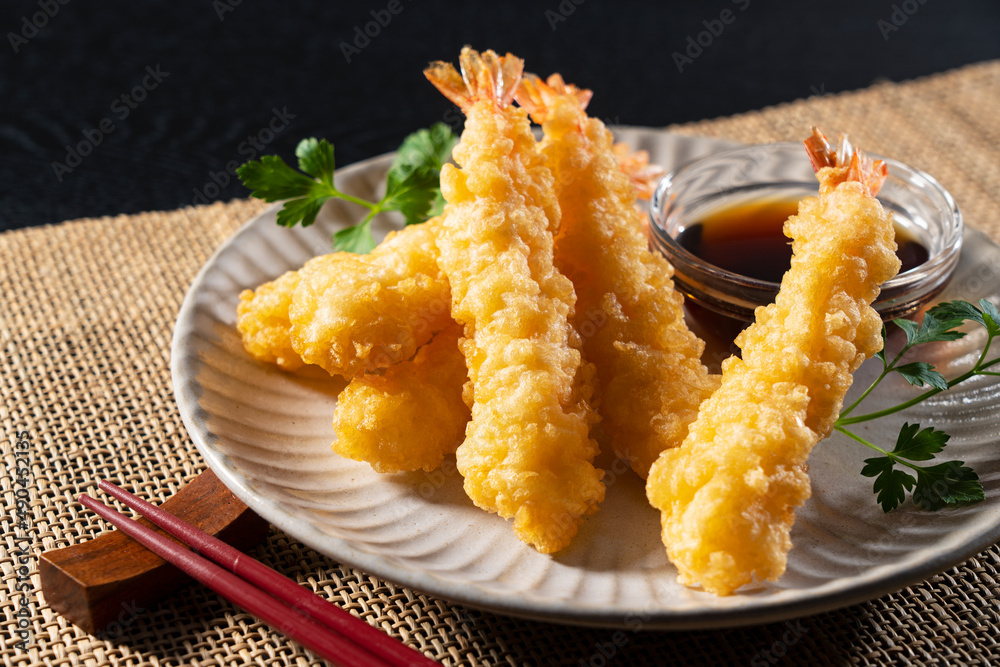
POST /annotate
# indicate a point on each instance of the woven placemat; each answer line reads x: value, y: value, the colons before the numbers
x: 88, y: 308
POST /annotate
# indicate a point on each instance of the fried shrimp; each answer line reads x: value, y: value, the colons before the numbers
x: 411, y: 416
x: 527, y: 453
x: 729, y: 492
x: 262, y: 320
x: 635, y: 165
x: 352, y: 314
x: 628, y: 312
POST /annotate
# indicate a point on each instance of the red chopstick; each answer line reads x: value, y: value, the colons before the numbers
x: 295, y: 611
x: 278, y: 585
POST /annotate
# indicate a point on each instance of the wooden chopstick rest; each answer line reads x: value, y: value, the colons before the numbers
x: 105, y: 580
x: 289, y: 601
x: 275, y: 612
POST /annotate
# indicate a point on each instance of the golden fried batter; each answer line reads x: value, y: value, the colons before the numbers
x: 262, y: 320
x: 729, y: 493
x: 352, y: 314
x: 627, y: 311
x: 527, y: 452
x: 410, y: 417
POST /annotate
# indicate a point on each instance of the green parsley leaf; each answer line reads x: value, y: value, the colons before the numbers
x: 271, y: 179
x: 316, y: 159
x: 949, y: 483
x: 430, y: 147
x: 988, y: 317
x: 421, y: 153
x: 303, y: 209
x: 412, y: 184
x: 437, y: 206
x: 917, y: 445
x: 910, y: 327
x: 956, y: 310
x: 931, y: 330
x: 960, y: 311
x: 936, y: 486
x: 357, y: 239
x: 890, y: 484
x: 413, y: 195
x: 921, y: 373
x: 991, y: 317
x: 881, y: 353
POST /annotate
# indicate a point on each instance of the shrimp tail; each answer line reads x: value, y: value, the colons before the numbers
x: 848, y: 163
x: 644, y: 176
x: 537, y: 96
x: 541, y: 100
x: 484, y: 76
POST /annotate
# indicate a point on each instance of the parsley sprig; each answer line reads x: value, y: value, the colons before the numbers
x: 412, y: 184
x: 945, y: 483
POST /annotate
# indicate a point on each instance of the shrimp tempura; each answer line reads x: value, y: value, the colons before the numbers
x: 635, y: 164
x: 262, y: 320
x: 527, y: 452
x: 729, y: 492
x: 353, y: 314
x: 411, y: 416
x: 629, y: 314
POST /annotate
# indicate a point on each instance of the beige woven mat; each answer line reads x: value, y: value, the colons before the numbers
x: 88, y: 308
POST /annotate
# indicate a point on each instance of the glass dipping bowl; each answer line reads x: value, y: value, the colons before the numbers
x: 782, y: 170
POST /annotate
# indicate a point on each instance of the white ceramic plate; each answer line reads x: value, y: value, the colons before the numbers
x: 267, y: 435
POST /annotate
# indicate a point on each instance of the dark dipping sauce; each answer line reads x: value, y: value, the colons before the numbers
x: 747, y: 239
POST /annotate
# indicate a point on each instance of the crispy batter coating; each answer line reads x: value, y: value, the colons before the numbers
x: 262, y: 320
x: 527, y: 452
x: 352, y: 314
x: 729, y: 493
x: 410, y: 417
x: 629, y: 314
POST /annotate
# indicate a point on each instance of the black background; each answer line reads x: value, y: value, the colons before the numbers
x: 229, y: 66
